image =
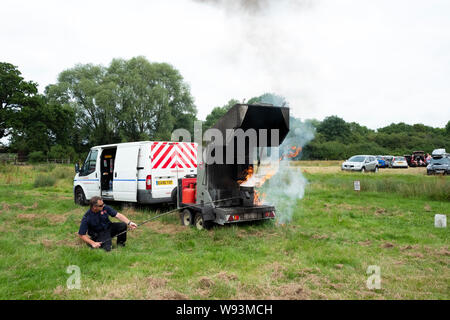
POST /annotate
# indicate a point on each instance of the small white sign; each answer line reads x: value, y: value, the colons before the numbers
x: 357, y: 185
x: 440, y: 221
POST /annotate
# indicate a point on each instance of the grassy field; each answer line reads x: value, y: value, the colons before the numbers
x: 323, y: 253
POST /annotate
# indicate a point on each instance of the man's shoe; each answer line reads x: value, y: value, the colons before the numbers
x: 120, y: 244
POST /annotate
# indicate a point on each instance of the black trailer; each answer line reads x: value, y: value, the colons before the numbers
x: 219, y: 196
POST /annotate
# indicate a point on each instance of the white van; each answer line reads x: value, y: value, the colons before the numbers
x: 142, y: 172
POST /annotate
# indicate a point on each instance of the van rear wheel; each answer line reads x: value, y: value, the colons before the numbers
x: 174, y: 195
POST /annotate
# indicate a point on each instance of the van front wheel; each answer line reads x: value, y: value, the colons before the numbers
x: 80, y: 198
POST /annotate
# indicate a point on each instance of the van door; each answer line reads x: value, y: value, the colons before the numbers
x: 125, y: 173
x: 89, y: 176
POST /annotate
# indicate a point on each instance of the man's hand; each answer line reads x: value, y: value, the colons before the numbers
x: 133, y: 225
x: 96, y: 245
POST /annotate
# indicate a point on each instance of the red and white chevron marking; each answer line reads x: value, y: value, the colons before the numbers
x: 174, y: 154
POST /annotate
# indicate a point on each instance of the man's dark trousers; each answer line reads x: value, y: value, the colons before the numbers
x: 107, y: 235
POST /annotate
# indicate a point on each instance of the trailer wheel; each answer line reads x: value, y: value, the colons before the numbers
x: 186, y: 218
x: 201, y: 224
x: 80, y: 198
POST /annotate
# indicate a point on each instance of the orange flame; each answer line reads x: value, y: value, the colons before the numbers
x: 259, y: 198
x: 294, y: 151
x: 248, y: 174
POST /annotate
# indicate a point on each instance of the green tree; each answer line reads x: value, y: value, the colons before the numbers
x: 152, y: 97
x: 217, y: 113
x: 14, y: 94
x: 83, y: 90
x: 335, y: 128
x: 130, y: 100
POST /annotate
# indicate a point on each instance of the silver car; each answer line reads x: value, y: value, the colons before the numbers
x: 361, y: 163
x: 399, y: 162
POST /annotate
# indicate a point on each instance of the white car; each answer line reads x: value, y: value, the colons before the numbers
x: 361, y: 163
x: 399, y: 162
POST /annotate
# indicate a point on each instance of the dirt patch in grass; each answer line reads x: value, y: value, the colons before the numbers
x: 415, y: 255
x: 174, y: 295
x: 290, y: 291
x: 149, y: 288
x: 52, y: 218
x: 22, y: 207
x: 29, y: 216
x: 205, y: 283
x: 167, y: 228
x: 320, y: 236
x: 72, y: 243
x: 380, y: 211
x: 365, y: 243
x: 387, y: 245
x: 57, y: 218
x: 226, y: 276
x: 277, y: 271
x: 155, y: 283
x: 444, y: 252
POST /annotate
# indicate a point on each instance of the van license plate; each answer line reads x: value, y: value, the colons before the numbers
x: 163, y: 182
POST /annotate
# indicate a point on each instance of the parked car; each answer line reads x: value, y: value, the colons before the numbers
x: 388, y: 160
x: 361, y: 163
x: 382, y: 163
x: 439, y: 153
x: 399, y: 162
x: 408, y: 158
x: 439, y: 166
x: 417, y: 159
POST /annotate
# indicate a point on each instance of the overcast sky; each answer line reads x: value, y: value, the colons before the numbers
x: 373, y: 62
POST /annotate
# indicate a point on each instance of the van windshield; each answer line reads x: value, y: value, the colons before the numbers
x: 357, y: 159
x: 399, y: 158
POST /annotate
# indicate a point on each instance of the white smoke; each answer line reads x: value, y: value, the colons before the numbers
x: 284, y: 190
x: 286, y: 185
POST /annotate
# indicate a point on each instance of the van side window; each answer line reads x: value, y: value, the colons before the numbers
x: 89, y: 164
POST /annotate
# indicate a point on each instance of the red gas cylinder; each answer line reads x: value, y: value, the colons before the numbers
x: 189, y: 194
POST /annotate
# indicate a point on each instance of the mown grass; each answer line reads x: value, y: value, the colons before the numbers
x: 323, y: 253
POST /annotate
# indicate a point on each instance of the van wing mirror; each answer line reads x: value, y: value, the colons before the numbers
x: 77, y: 167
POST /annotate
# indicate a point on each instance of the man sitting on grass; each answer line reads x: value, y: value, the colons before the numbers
x: 96, y: 224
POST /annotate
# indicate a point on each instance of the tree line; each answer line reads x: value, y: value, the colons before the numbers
x: 135, y: 100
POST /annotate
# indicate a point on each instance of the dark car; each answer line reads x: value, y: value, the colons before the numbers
x: 439, y: 166
x: 418, y: 159
x: 388, y: 160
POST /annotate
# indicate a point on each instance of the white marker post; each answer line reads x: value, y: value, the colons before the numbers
x: 357, y: 186
x: 440, y: 221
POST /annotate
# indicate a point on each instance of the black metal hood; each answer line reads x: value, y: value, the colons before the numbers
x: 255, y: 116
